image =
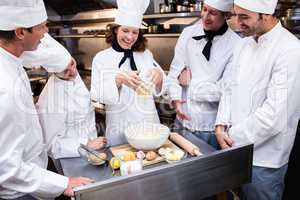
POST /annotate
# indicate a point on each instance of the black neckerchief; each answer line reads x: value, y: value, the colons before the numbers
x: 209, y: 35
x: 128, y: 53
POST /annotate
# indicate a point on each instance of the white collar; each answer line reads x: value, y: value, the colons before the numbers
x: 11, y: 57
x: 270, y: 35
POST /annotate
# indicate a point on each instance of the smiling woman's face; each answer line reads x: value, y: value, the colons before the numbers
x: 127, y: 36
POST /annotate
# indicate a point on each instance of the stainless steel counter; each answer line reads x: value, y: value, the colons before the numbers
x: 191, y: 178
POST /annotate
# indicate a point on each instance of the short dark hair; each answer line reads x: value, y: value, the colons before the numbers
x: 10, y: 35
x: 139, y: 46
x: 29, y: 29
x: 7, y: 35
x: 260, y: 15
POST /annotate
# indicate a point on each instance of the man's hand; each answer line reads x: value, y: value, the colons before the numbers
x: 70, y: 73
x: 185, y: 77
x: 75, y: 182
x: 178, y: 107
x: 223, y: 138
x: 130, y: 79
x: 97, y: 143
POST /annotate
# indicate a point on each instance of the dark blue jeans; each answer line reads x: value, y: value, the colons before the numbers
x: 267, y: 184
x: 207, y: 136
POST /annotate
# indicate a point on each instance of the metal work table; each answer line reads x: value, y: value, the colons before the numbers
x: 191, y: 178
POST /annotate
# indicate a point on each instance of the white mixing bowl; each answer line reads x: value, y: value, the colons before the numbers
x: 147, y: 136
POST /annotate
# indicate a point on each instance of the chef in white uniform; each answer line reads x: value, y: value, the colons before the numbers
x: 115, y: 73
x: 67, y: 117
x: 65, y: 111
x: 23, y: 155
x: 262, y: 104
x: 200, y: 69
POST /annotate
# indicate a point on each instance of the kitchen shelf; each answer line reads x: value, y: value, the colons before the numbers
x: 172, y: 15
x: 79, y: 36
x: 159, y: 35
x: 109, y: 15
x: 98, y: 15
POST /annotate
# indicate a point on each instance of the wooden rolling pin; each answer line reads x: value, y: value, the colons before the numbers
x: 185, y: 144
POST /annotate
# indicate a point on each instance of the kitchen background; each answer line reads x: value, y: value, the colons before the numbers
x: 80, y: 25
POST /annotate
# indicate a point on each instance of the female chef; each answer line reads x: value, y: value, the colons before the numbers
x: 118, y: 73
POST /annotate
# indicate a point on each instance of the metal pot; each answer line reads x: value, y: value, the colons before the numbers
x: 171, y: 6
x: 291, y: 19
x: 293, y: 13
x: 163, y: 8
x: 181, y: 8
x: 290, y: 24
x: 196, y: 7
x: 155, y: 28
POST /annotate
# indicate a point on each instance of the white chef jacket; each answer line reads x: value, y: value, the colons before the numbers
x: 67, y: 116
x: 208, y: 77
x: 49, y: 53
x: 122, y: 106
x: 23, y: 156
x: 262, y: 104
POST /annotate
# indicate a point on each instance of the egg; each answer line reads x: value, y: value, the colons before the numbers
x: 151, y: 155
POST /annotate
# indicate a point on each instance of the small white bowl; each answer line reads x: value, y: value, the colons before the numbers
x: 147, y: 136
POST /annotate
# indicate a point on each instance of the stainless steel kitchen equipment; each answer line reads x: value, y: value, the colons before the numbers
x: 193, y: 178
x: 182, y: 8
x: 155, y: 28
x: 171, y: 4
x: 67, y: 7
x: 196, y: 6
x: 291, y: 19
x: 163, y: 8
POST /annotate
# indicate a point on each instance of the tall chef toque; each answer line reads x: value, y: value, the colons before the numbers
x: 130, y: 12
x: 21, y: 13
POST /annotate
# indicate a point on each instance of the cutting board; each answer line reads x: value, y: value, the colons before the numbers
x: 117, y: 150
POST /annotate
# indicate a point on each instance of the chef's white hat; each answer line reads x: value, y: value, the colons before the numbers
x: 21, y: 13
x: 259, y: 6
x: 222, y: 5
x: 130, y: 12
